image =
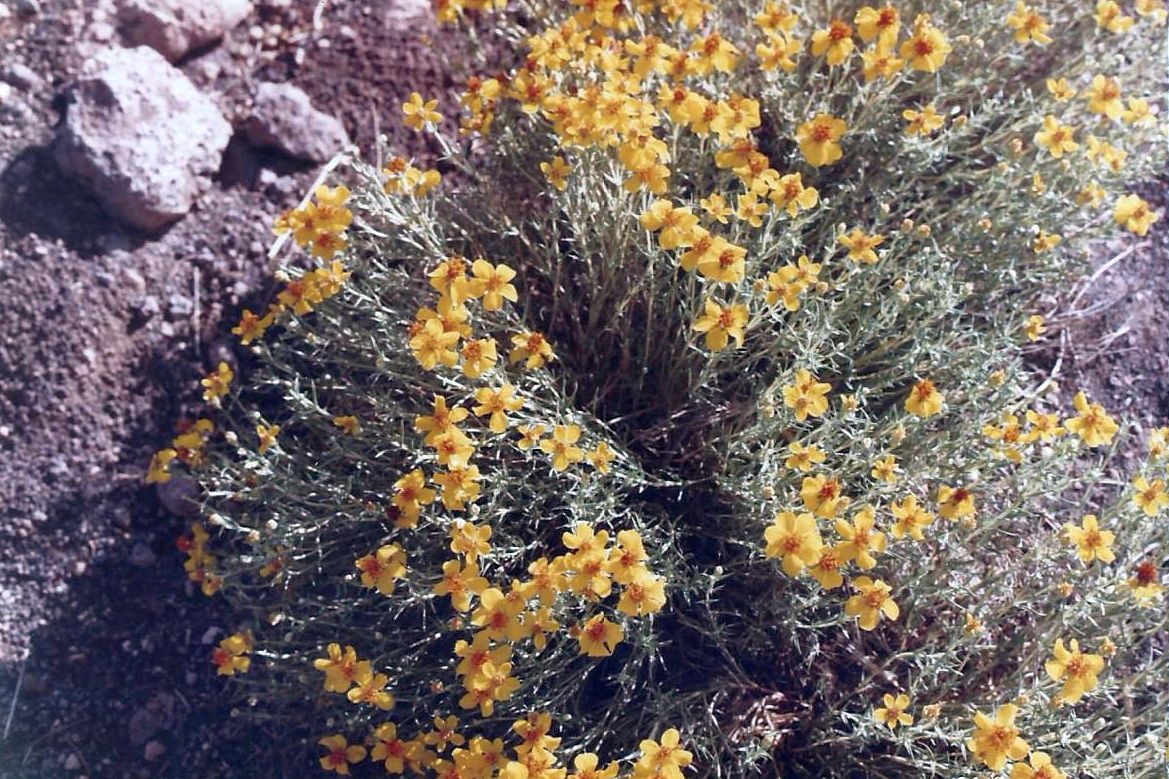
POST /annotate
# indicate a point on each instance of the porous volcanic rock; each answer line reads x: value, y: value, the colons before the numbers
x: 141, y: 136
x: 173, y: 28
x: 283, y: 118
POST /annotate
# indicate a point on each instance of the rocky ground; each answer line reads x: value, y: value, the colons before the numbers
x: 108, y: 323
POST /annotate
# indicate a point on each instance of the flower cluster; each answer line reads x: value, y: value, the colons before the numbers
x: 704, y: 272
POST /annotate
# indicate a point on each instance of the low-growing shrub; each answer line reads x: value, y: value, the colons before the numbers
x: 690, y: 406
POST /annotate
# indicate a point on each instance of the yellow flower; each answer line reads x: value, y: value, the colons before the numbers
x: 873, y: 599
x: 341, y: 669
x: 860, y: 539
x: 382, y: 568
x: 1134, y: 214
x: 492, y: 284
x: 1045, y: 242
x: 716, y: 206
x: 556, y: 171
x: 994, y: 741
x: 433, y: 346
x: 1059, y: 89
x: 470, y: 540
x: 778, y: 52
x: 418, y: 113
x: 893, y: 712
x: 880, y: 61
x: 496, y: 613
x: 217, y: 383
x: 370, y: 690
x: 1138, y: 112
x: 587, y: 767
x: 860, y: 246
x: 826, y: 569
x: 1104, y: 97
x: 722, y: 323
x: 459, y: 485
x: 971, y: 625
x: 643, y: 594
x: 1109, y: 17
x: 252, y: 327
x: 806, y: 396
x: 713, y: 52
x: 228, y: 658
x: 1158, y: 443
x: 927, y: 48
x: 821, y: 494
x: 885, y: 469
x: 835, y: 42
x: 1034, y: 328
x: 529, y: 435
x: 662, y: 760
x: 479, y: 356
x: 340, y: 754
x: 955, y: 502
x: 158, y: 472
x: 1149, y: 497
x: 1078, y: 670
x: 598, y: 636
x: 723, y: 262
x: 751, y: 210
x: 923, y: 122
x: 1143, y: 584
x: 789, y: 194
x: 881, y: 23
x: 1040, y: 768
x: 1090, y: 541
x: 924, y: 400
x: 801, y: 458
x: 776, y: 16
x: 818, y: 139
x: 1056, y: 137
x: 794, y: 540
x: 1152, y: 8
x: 497, y: 402
x: 1092, y: 425
x: 910, y: 519
x: 267, y: 436
x: 389, y: 748
x: 460, y: 583
x: 600, y: 456
x: 1028, y: 25
x: 561, y: 446
x: 532, y: 347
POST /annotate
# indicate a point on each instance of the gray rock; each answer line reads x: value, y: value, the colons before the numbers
x: 22, y: 76
x: 142, y: 556
x: 175, y: 27
x: 405, y: 13
x: 179, y: 496
x: 180, y: 306
x: 284, y: 118
x: 141, y: 137
x: 153, y: 750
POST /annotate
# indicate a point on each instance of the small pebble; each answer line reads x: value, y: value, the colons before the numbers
x: 153, y: 751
